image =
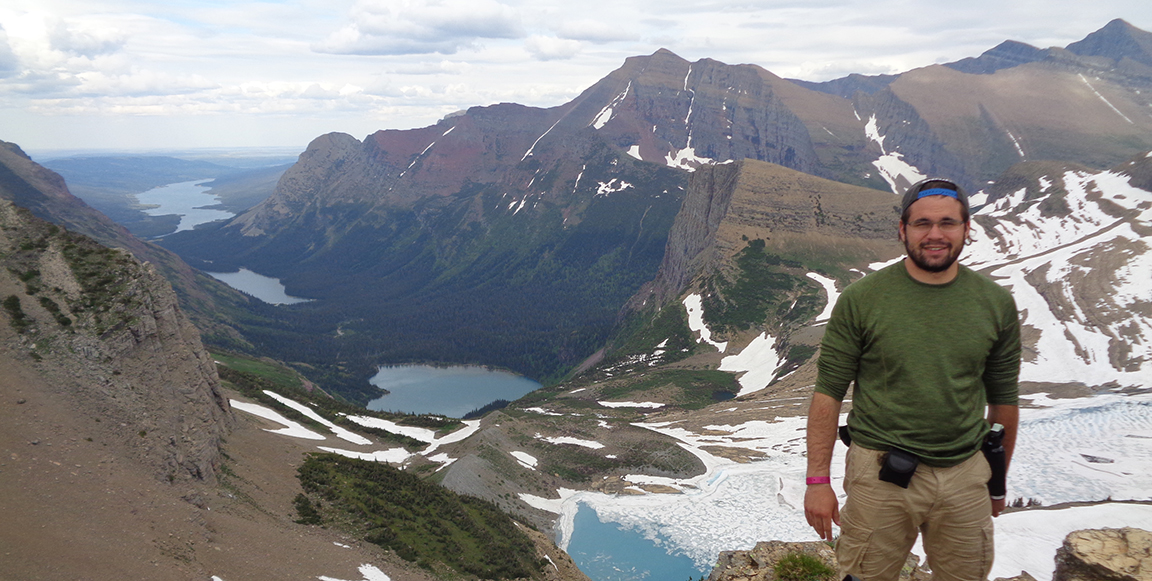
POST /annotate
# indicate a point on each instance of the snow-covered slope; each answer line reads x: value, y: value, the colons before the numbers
x: 1074, y: 250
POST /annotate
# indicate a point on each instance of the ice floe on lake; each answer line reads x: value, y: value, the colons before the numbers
x: 733, y: 506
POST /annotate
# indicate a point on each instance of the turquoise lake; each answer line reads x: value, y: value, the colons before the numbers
x: 605, y: 551
x: 451, y: 391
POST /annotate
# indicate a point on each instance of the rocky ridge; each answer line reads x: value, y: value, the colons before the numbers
x: 108, y: 331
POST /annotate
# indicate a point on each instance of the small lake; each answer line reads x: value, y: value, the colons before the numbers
x: 451, y: 391
x: 265, y: 288
x: 185, y: 199
x: 606, y: 551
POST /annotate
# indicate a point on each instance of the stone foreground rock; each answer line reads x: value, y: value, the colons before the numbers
x: 1105, y: 555
x: 1088, y: 555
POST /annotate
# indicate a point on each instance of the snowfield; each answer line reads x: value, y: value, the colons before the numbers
x: 733, y: 506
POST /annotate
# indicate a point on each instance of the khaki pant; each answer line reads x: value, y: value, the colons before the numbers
x: 880, y: 520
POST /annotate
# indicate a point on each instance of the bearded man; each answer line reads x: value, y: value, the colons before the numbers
x: 932, y: 347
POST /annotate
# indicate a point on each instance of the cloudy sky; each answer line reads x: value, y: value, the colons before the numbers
x: 173, y: 74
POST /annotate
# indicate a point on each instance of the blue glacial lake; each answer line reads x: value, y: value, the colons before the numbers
x: 451, y: 391
x: 185, y: 199
x: 605, y: 551
x: 265, y: 288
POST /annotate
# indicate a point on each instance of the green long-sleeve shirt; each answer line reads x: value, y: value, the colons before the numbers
x: 926, y: 359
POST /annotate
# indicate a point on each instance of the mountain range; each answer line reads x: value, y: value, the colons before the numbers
x: 511, y: 236
x: 672, y: 236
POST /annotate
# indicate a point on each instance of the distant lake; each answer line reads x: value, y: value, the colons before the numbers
x: 265, y: 288
x: 450, y: 391
x: 185, y: 199
x: 605, y: 551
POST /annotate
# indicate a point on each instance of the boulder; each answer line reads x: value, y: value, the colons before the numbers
x: 1105, y: 555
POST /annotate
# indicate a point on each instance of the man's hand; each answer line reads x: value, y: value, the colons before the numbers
x: 997, y: 507
x: 820, y: 505
x: 822, y: 509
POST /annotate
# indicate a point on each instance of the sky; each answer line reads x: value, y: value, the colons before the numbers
x: 136, y: 75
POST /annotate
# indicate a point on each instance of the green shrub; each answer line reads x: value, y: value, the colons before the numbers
x: 20, y: 321
x: 802, y: 567
x: 308, y: 513
x: 422, y: 522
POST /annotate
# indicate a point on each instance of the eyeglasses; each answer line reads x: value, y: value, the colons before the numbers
x: 946, y: 225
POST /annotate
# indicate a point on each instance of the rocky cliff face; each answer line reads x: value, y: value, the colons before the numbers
x: 728, y: 205
x: 108, y: 332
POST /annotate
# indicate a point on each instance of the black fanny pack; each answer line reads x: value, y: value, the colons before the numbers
x: 898, y: 466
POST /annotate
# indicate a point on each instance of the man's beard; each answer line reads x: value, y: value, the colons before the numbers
x: 938, y: 265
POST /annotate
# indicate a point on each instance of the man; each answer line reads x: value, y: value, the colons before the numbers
x: 930, y: 344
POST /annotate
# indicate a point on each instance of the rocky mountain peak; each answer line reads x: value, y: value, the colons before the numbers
x: 1117, y: 40
x: 1005, y: 55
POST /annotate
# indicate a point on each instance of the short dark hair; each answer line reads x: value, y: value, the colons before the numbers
x: 913, y: 193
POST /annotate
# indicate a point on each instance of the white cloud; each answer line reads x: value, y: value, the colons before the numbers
x: 422, y: 26
x: 85, y: 42
x: 548, y: 48
x: 443, y: 67
x: 9, y: 63
x: 595, y: 31
x: 301, y: 68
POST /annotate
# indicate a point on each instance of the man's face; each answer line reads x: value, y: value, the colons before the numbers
x: 935, y: 233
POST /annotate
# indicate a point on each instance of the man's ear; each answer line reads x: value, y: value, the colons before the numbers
x: 900, y: 231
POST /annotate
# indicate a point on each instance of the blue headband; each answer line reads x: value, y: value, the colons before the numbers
x: 938, y: 192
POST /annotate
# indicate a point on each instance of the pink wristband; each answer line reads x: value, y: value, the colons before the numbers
x: 818, y: 480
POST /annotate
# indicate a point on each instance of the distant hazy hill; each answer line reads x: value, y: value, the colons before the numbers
x: 110, y: 185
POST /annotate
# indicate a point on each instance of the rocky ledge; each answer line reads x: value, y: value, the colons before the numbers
x: 1088, y: 555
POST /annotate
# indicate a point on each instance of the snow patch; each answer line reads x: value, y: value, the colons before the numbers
x: 634, y: 151
x: 605, y: 114
x: 1106, y: 102
x: 526, y: 460
x: 422, y: 434
x: 685, y: 159
x: 570, y: 440
x: 340, y: 432
x: 829, y: 289
x: 370, y: 573
x: 694, y: 305
x: 758, y: 360
x: 391, y: 455
x: 630, y: 404
x: 542, y: 411
x: 529, y: 152
x: 611, y: 187
x: 893, y: 167
x: 291, y: 428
